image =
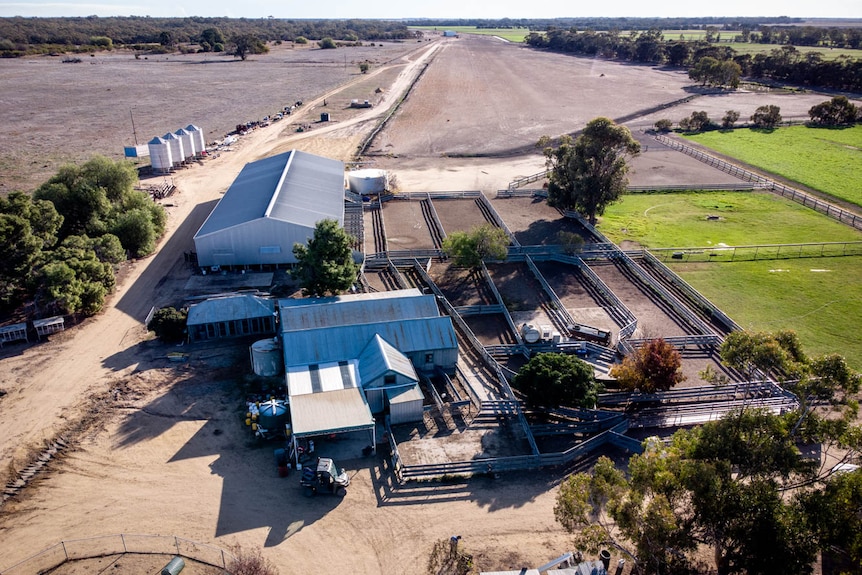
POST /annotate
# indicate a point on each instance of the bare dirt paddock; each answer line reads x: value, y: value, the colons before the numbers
x: 163, y: 449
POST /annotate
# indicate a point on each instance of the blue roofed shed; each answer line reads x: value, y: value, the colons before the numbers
x: 231, y: 316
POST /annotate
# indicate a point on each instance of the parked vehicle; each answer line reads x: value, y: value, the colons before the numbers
x: 324, y: 476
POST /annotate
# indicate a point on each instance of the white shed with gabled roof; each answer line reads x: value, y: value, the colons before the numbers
x: 273, y: 204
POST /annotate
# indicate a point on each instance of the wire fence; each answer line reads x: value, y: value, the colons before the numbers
x: 758, y: 252
x: 806, y: 200
x: 119, y: 544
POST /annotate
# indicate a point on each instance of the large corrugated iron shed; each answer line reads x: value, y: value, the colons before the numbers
x: 328, y: 344
x: 310, y: 313
x: 294, y: 187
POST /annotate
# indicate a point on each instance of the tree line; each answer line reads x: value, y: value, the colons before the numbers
x: 61, y: 247
x: 607, y: 23
x: 783, y: 64
x: 20, y: 36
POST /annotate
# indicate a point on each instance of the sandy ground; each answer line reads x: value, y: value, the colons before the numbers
x: 167, y: 453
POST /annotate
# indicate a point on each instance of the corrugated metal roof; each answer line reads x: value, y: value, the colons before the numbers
x: 323, y: 345
x: 380, y: 357
x: 294, y: 302
x: 230, y: 308
x: 320, y: 378
x: 330, y: 412
x: 405, y: 394
x: 331, y: 312
x: 294, y: 187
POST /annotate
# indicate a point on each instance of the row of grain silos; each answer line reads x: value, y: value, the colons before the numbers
x: 175, y: 149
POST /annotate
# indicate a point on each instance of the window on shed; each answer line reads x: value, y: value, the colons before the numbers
x: 429, y: 358
x: 270, y: 249
x: 389, y: 379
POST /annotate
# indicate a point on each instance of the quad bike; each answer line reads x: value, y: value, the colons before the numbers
x: 324, y: 476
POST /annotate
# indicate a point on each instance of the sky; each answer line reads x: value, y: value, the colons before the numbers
x: 437, y: 9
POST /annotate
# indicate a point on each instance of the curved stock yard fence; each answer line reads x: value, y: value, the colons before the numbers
x: 93, y: 547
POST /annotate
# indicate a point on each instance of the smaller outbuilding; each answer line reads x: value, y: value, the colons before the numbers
x: 14, y: 332
x: 231, y: 316
x: 49, y: 325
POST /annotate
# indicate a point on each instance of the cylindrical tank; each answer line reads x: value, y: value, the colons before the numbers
x: 273, y: 415
x: 365, y: 182
x: 160, y: 155
x: 197, y: 137
x: 530, y: 333
x: 188, y: 144
x: 176, y: 147
x: 266, y: 358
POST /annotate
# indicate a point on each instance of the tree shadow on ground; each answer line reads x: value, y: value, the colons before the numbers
x: 149, y: 288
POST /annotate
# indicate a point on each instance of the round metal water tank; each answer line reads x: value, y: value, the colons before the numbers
x: 530, y: 333
x: 160, y: 155
x: 273, y: 414
x: 266, y: 358
x: 366, y: 182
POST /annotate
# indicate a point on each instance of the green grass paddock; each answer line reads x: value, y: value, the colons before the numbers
x: 824, y: 159
x: 682, y: 219
x: 820, y: 299
x: 823, y: 307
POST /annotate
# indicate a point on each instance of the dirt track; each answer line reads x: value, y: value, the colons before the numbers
x: 170, y: 455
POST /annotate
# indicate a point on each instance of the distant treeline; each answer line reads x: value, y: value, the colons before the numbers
x: 541, y: 24
x: 783, y: 64
x: 19, y: 36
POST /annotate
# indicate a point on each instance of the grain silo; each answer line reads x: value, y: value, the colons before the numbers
x: 160, y: 155
x: 197, y: 138
x: 189, y: 150
x: 176, y: 145
x: 367, y: 182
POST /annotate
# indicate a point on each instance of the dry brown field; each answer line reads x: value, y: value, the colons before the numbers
x: 55, y: 113
x: 160, y: 448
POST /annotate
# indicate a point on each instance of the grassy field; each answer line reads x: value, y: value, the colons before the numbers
x: 828, y: 53
x: 510, y: 34
x: 822, y: 306
x: 744, y: 218
x: 823, y: 159
x: 820, y: 299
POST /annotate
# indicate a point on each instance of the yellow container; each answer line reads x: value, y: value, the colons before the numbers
x: 248, y: 421
x: 254, y: 427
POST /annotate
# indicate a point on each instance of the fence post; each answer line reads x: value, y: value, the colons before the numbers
x: 123, y: 539
x: 177, y: 544
x: 65, y: 552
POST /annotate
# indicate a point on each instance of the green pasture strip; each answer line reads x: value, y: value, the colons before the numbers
x: 823, y: 159
x: 820, y: 299
x: 688, y: 219
x: 828, y: 53
x: 510, y: 34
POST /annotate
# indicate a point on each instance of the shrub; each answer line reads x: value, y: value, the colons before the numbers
x: 663, y: 125
x: 169, y: 324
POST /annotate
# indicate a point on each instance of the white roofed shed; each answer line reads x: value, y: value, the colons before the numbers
x: 273, y: 204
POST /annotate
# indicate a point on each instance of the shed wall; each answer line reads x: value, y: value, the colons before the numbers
x: 243, y: 244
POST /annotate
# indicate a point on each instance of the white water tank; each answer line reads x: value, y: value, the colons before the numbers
x: 185, y: 136
x: 176, y: 145
x: 197, y: 138
x: 266, y: 358
x: 160, y: 155
x: 367, y: 182
x: 530, y: 333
